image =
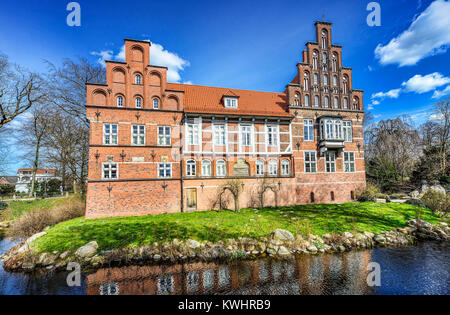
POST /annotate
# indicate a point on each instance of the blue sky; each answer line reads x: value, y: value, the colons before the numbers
x: 248, y: 44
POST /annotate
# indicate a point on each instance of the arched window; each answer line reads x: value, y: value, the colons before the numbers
x: 285, y: 167
x: 335, y: 80
x: 120, y: 101
x: 336, y: 102
x: 221, y: 169
x: 334, y: 63
x: 316, y: 100
x: 138, y: 79
x: 206, y: 168
x: 327, y: 101
x: 345, y: 103
x: 316, y: 78
x: 273, y: 168
x: 306, y: 100
x: 325, y: 79
x: 138, y: 102
x: 155, y: 103
x: 191, y: 168
x: 260, y: 168
x: 324, y: 58
x: 324, y: 38
x: 355, y: 102
x: 306, y: 81
x: 345, y: 88
x: 296, y: 100
x: 315, y: 61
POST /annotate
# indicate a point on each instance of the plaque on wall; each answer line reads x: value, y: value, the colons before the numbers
x: 241, y: 168
x: 138, y: 159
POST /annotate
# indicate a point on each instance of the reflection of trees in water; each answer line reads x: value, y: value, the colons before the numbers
x: 324, y: 274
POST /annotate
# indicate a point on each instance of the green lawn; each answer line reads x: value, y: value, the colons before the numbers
x: 18, y: 208
x: 115, y: 233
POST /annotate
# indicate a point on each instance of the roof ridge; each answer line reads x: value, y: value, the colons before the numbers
x: 225, y: 88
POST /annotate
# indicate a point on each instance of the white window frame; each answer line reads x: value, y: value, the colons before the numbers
x: 231, y: 102
x: 246, y: 135
x: 221, y: 168
x: 349, y: 162
x: 311, y: 161
x: 164, y: 138
x: 110, y: 166
x: 316, y: 100
x: 259, y: 168
x: 166, y: 168
x: 206, y: 168
x: 119, y: 101
x: 308, y: 130
x: 273, y: 168
x: 138, y: 79
x: 193, y: 133
x: 156, y: 103
x: 139, y: 136
x: 330, y: 162
x: 220, y: 134
x: 347, y: 131
x: 285, y: 167
x: 110, y: 138
x: 272, y: 135
x: 191, y: 168
x: 306, y: 100
x: 138, y: 102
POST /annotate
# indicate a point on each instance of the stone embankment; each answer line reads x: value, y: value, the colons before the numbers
x: 280, y: 243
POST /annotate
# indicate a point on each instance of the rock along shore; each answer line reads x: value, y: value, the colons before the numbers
x: 280, y: 243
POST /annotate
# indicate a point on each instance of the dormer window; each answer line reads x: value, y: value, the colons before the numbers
x: 231, y: 102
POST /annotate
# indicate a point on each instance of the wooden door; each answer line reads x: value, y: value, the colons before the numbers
x: 191, y: 195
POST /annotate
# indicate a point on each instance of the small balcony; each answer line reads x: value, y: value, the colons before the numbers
x: 331, y: 137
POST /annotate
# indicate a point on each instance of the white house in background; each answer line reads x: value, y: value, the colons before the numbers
x: 26, y: 174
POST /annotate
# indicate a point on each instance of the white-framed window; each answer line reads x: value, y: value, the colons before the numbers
x: 231, y: 102
x: 164, y: 170
x: 335, y: 80
x: 155, y: 103
x: 316, y: 100
x: 192, y: 134
x: 306, y: 100
x: 325, y: 79
x: 191, y: 168
x: 260, y: 168
x: 334, y: 64
x: 120, y: 101
x: 308, y: 130
x: 246, y: 135
x: 165, y: 285
x: 138, y: 135
x: 316, y: 78
x: 310, y: 162
x: 314, y: 58
x: 109, y: 171
x: 285, y: 165
x: 349, y: 162
x: 332, y: 128
x: 296, y: 100
x: 327, y: 101
x: 138, y: 79
x: 138, y: 102
x: 219, y: 134
x: 330, y: 162
x: 221, y: 169
x: 109, y: 289
x: 306, y: 81
x: 324, y: 57
x: 345, y: 88
x: 273, y: 168
x: 206, y: 168
x: 345, y: 102
x: 347, y: 131
x: 272, y: 135
x: 110, y: 134
x: 164, y: 135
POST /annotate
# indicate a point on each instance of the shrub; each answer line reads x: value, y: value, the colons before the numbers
x: 436, y: 201
x: 3, y: 205
x: 369, y: 194
x: 35, y: 221
x: 6, y: 189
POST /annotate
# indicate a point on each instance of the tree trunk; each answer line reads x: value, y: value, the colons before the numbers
x: 35, y: 166
x: 236, y: 203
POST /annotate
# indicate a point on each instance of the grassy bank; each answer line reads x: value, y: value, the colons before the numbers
x: 113, y: 233
x: 18, y: 208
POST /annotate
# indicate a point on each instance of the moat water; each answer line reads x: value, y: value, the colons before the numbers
x: 420, y: 269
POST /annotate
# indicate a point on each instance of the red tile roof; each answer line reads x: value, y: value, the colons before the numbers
x: 208, y: 100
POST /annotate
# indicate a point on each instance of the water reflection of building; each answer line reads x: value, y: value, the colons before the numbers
x: 325, y: 274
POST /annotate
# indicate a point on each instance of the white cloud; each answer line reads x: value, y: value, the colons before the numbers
x: 390, y: 94
x: 444, y: 92
x: 158, y: 56
x: 422, y: 84
x: 428, y: 35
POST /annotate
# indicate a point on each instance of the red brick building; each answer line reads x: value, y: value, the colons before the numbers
x: 159, y: 147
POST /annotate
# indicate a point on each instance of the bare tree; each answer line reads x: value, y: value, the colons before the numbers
x: 19, y: 90
x: 442, y: 116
